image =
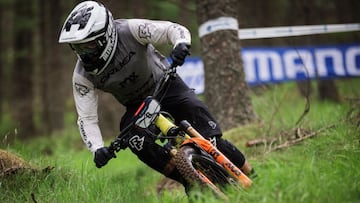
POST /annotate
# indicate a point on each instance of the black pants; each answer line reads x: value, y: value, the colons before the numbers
x: 182, y: 104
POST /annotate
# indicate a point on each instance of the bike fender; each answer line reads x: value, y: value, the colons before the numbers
x: 202, y: 143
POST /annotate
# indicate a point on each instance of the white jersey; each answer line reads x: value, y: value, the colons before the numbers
x: 131, y: 74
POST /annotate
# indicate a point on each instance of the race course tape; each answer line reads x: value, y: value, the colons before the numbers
x: 287, y: 31
x: 230, y: 23
x: 221, y: 23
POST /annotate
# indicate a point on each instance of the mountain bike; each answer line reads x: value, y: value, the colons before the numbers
x: 197, y: 159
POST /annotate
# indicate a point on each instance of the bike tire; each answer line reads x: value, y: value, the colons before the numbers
x: 193, y: 166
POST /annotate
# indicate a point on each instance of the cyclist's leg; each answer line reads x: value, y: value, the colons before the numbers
x: 185, y: 105
x: 234, y: 154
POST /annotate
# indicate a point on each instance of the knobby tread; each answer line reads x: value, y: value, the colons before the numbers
x: 184, y: 164
x: 185, y: 167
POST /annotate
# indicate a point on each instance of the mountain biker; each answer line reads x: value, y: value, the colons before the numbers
x: 118, y: 56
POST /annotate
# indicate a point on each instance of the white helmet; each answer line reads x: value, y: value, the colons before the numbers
x: 90, y: 31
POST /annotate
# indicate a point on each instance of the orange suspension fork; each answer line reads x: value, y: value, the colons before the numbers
x: 197, y: 138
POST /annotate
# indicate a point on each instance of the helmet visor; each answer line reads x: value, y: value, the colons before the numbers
x: 90, y: 52
x: 87, y: 48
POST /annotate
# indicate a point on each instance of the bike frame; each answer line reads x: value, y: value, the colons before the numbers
x: 149, y: 113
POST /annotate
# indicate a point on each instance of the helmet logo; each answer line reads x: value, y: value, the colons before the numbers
x: 80, y: 17
x: 111, y: 44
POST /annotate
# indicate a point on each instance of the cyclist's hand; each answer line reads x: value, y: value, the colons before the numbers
x: 179, y: 53
x: 102, y: 156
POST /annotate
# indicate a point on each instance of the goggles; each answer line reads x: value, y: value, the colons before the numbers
x: 94, y: 47
x: 90, y: 52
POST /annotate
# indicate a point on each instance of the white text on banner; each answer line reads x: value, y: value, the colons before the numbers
x: 281, y: 64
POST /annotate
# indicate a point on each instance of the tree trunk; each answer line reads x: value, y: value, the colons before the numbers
x: 2, y: 59
x: 226, y: 91
x: 328, y: 91
x: 184, y: 12
x: 51, y: 70
x: 327, y: 88
x: 22, y: 86
x: 7, y: 52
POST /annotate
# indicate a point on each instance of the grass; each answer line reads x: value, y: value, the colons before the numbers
x: 322, y: 169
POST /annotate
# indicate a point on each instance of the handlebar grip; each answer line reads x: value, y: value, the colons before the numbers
x: 173, y: 65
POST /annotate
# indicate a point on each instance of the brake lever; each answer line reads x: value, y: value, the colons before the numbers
x: 118, y: 144
x: 120, y: 141
x: 115, y: 146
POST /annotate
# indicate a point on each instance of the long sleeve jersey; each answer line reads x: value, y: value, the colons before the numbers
x: 131, y: 75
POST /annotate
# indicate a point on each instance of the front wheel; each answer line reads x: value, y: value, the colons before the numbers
x: 200, y: 169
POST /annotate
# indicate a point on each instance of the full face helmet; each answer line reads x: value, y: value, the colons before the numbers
x: 90, y: 31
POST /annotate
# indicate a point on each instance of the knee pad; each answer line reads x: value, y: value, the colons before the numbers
x: 231, y: 152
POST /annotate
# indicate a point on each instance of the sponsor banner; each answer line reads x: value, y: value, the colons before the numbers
x: 280, y: 64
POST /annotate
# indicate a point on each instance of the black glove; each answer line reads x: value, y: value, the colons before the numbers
x: 102, y: 156
x: 179, y: 53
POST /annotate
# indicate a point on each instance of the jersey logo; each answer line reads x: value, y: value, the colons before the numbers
x: 180, y: 30
x: 132, y: 78
x: 121, y: 64
x: 144, y: 31
x: 136, y: 142
x: 81, y: 89
x: 83, y: 134
x: 80, y: 17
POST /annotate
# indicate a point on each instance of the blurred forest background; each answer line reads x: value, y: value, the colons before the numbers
x: 35, y: 70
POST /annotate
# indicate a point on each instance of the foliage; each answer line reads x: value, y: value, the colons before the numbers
x: 322, y: 169
x: 45, y: 19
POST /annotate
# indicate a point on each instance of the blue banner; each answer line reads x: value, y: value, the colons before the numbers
x: 279, y: 64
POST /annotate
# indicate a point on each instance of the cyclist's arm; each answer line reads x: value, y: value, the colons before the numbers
x: 159, y: 32
x: 86, y: 101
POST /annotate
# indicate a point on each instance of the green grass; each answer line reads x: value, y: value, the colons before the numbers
x: 321, y: 169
